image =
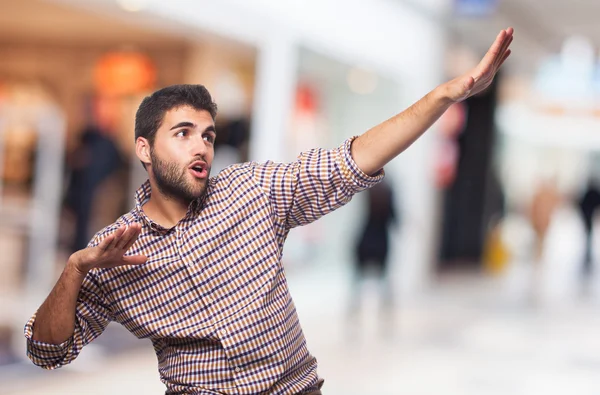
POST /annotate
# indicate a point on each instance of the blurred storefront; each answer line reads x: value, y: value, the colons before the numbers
x: 496, y: 176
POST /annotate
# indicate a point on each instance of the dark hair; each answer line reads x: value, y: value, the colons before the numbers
x: 151, y: 111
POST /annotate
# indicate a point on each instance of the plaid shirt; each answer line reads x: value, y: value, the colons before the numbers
x: 212, y: 296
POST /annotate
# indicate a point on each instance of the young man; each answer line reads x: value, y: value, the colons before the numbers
x: 196, y: 265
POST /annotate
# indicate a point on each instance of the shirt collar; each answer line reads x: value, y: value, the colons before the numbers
x: 142, y: 196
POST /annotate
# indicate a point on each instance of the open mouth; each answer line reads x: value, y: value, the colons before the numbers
x: 199, y: 169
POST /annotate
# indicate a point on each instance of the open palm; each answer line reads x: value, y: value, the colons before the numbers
x: 480, y: 77
x: 111, y: 251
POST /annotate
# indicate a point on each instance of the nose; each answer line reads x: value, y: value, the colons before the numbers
x: 198, y: 147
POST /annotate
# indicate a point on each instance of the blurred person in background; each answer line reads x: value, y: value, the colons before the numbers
x: 196, y: 266
x: 96, y: 159
x: 545, y: 201
x: 588, y: 205
x: 372, y: 247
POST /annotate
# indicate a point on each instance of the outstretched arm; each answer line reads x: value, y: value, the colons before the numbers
x: 376, y: 147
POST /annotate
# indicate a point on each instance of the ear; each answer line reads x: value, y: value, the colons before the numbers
x: 142, y: 150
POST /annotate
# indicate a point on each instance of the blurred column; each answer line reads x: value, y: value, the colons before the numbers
x: 273, y: 96
x: 43, y: 219
x: 416, y: 247
x: 45, y: 213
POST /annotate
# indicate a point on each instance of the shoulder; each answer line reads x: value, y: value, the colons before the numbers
x: 236, y: 172
x: 235, y: 168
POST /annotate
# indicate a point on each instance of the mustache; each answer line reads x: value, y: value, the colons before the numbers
x: 201, y: 158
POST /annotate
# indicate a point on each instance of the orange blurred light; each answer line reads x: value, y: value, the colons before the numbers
x: 124, y: 73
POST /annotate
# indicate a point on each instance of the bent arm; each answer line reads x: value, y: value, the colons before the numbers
x: 74, y: 314
x: 77, y: 310
x: 55, y: 319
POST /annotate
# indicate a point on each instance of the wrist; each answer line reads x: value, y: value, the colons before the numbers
x: 442, y: 95
x: 74, y: 264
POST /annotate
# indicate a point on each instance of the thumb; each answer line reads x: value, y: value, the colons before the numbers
x: 468, y: 83
x: 461, y: 88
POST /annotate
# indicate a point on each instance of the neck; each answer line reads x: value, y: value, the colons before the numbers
x: 165, y: 210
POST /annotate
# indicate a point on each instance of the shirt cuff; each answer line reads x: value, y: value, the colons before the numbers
x: 353, y: 174
x: 45, y: 355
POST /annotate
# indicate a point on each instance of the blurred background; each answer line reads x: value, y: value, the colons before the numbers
x: 488, y: 281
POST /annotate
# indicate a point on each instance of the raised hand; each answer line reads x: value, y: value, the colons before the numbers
x: 110, y: 252
x: 479, y: 78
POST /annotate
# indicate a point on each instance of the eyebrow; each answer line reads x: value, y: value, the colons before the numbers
x: 187, y: 124
x: 183, y: 124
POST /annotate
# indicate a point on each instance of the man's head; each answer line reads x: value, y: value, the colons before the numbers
x: 175, y: 133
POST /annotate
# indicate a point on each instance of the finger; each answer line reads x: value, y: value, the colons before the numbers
x: 104, y: 244
x: 506, y: 55
x: 134, y: 260
x: 125, y: 237
x: 499, y: 47
x: 495, y: 48
x: 116, y: 236
x: 133, y: 239
x: 506, y: 44
x: 503, y: 53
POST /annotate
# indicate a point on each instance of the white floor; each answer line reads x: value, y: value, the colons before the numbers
x: 462, y: 337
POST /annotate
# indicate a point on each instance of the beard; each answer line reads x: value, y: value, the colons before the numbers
x: 174, y: 183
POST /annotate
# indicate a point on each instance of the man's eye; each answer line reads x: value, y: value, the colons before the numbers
x: 181, y: 133
x: 209, y: 138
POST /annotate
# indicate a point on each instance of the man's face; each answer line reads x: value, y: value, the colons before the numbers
x: 183, y: 152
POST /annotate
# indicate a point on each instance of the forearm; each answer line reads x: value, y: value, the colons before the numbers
x: 382, y: 143
x: 55, y: 319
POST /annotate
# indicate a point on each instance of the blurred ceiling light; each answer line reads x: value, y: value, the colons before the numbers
x: 124, y: 73
x: 362, y: 81
x: 132, y: 5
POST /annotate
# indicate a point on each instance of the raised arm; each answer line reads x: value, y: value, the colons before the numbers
x: 380, y: 144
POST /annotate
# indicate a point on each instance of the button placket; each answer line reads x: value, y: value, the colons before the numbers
x: 203, y: 290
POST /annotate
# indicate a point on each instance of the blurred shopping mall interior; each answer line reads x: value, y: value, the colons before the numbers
x: 493, y: 282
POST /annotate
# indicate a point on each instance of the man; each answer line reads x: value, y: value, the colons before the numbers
x: 196, y: 265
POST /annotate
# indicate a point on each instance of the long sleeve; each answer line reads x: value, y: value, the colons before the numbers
x: 91, y: 318
x: 317, y: 183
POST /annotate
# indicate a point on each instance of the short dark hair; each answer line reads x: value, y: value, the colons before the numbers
x: 153, y: 108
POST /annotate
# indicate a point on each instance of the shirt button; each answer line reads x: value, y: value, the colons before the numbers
x: 237, y: 370
x: 209, y: 299
x: 223, y: 332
